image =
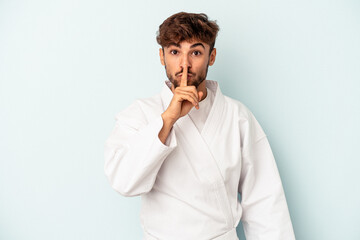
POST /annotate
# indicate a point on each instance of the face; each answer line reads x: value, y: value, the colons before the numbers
x: 191, y: 54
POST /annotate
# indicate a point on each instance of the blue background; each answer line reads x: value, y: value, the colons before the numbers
x: 67, y: 67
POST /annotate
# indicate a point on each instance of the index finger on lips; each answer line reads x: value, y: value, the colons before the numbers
x: 183, y: 82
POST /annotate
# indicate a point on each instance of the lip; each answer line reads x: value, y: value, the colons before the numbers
x: 189, y: 75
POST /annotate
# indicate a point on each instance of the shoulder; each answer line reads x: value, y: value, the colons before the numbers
x: 231, y: 105
x: 240, y: 109
x: 245, y: 118
x: 150, y: 105
x: 141, y: 109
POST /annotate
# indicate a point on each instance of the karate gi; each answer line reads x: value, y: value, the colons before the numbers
x: 189, y: 186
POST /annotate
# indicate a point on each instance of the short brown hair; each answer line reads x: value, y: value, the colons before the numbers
x: 187, y: 26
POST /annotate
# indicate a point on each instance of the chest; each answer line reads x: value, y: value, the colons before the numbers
x: 199, y: 161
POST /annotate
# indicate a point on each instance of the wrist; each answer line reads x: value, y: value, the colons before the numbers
x: 168, y: 121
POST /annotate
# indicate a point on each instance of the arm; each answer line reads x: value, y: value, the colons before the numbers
x: 265, y: 210
x: 136, y: 149
x: 134, y: 152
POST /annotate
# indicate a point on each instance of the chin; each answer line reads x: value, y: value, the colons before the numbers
x: 197, y: 83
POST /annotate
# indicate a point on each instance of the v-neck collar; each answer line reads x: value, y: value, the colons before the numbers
x: 201, y: 145
x: 213, y: 121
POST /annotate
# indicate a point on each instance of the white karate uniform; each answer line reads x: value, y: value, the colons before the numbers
x: 199, y: 116
x: 189, y: 186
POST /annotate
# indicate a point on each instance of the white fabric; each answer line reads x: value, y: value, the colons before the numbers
x: 199, y: 116
x: 189, y: 185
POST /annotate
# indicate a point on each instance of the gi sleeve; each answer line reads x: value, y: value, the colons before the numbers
x: 265, y: 211
x: 134, y: 152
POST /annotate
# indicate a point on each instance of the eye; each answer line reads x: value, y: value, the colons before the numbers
x: 174, y: 52
x: 197, y: 53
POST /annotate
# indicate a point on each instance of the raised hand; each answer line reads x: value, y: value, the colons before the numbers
x: 184, y: 99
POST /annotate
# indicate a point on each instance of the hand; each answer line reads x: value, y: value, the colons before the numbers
x: 184, y: 99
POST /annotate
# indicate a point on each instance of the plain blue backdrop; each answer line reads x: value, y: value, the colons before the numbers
x: 67, y: 67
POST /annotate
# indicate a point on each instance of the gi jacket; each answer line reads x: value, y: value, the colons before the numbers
x: 189, y: 186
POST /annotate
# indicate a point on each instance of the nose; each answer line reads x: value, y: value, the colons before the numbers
x: 185, y: 62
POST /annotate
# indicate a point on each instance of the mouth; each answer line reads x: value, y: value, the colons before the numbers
x: 188, y: 76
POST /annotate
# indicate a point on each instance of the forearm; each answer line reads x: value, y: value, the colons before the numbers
x: 165, y: 130
x: 133, y: 157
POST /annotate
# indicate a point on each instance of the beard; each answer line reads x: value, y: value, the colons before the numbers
x: 195, y: 80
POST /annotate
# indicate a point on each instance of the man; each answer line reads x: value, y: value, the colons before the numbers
x: 190, y: 150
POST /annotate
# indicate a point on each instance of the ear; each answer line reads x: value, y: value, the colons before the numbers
x: 161, y: 54
x: 212, y: 57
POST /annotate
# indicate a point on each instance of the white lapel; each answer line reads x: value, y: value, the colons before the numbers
x: 197, y: 145
x: 213, y: 121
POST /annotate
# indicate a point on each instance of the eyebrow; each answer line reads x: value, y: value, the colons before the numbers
x: 192, y: 46
x: 197, y: 44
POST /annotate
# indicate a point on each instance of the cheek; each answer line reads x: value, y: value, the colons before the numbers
x: 169, y: 68
x: 170, y: 64
x: 201, y: 63
x: 201, y: 68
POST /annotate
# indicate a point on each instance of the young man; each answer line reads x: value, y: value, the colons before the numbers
x: 190, y: 150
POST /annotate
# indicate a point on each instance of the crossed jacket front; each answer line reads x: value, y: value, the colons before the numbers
x: 189, y: 186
